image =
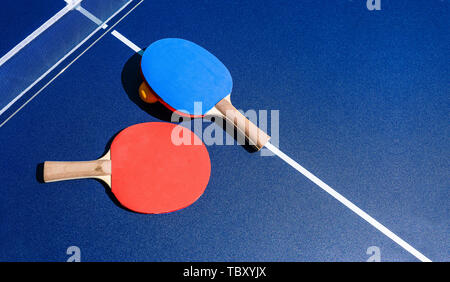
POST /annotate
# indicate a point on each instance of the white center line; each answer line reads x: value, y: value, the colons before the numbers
x: 347, y: 203
x: 317, y: 181
x: 127, y: 42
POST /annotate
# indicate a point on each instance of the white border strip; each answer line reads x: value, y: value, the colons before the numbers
x: 38, y: 31
x: 58, y: 62
x: 347, y: 203
x: 125, y: 41
x: 60, y: 72
x: 88, y: 15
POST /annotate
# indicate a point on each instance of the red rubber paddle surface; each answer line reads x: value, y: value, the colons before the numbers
x: 151, y: 174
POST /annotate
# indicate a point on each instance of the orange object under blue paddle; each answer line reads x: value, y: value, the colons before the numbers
x: 148, y: 167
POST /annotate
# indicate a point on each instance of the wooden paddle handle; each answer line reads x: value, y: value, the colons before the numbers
x: 256, y: 136
x: 56, y: 171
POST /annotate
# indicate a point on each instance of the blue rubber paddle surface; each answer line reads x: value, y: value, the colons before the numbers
x: 183, y: 73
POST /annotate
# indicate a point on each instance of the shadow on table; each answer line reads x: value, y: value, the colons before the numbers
x: 132, y: 79
x: 40, y: 178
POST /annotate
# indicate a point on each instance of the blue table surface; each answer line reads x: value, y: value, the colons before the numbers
x: 363, y: 101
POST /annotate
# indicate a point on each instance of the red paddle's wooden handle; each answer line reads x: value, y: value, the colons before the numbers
x: 56, y: 171
x: 255, y: 136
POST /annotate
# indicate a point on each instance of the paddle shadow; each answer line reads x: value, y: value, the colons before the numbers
x: 132, y: 79
x: 40, y: 173
x: 231, y: 130
x: 108, y: 191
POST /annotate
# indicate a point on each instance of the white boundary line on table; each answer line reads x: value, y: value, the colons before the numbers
x: 39, y: 30
x: 91, y: 17
x: 5, y: 108
x: 60, y: 72
x: 318, y: 182
x: 347, y: 203
x: 127, y: 42
x: 88, y: 15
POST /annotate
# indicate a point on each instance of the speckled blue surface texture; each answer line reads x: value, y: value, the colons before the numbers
x: 363, y: 101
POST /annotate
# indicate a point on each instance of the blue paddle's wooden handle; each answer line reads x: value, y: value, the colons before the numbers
x: 253, y: 133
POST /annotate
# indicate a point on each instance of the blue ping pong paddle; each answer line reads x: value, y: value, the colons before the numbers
x: 181, y: 73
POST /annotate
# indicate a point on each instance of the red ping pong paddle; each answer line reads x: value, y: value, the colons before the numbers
x: 146, y: 171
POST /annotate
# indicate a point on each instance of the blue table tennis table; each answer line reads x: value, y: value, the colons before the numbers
x: 356, y: 94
